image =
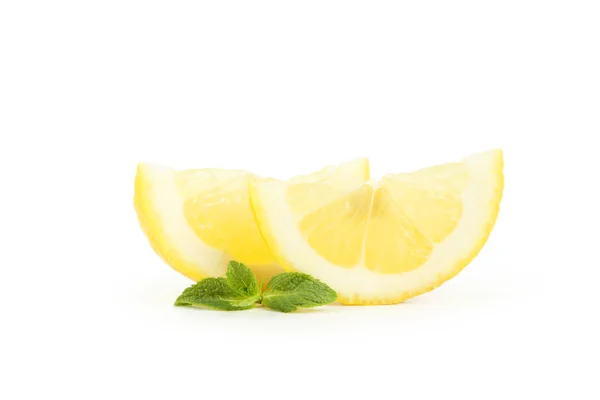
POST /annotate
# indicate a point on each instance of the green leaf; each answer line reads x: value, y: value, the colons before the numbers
x: 215, y: 293
x: 241, y: 279
x: 290, y: 290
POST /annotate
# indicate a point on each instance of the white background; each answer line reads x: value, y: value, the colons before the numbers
x: 88, y: 89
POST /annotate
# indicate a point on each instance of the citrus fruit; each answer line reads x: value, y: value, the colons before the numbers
x: 199, y: 220
x: 383, y: 242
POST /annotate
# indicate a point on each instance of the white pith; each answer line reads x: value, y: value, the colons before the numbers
x: 478, y: 199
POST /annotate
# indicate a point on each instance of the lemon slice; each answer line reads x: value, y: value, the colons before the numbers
x: 383, y: 242
x: 199, y: 220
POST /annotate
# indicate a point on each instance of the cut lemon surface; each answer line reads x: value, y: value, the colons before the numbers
x: 199, y: 220
x: 383, y: 242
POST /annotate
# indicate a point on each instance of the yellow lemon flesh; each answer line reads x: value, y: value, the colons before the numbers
x: 383, y: 242
x: 199, y: 220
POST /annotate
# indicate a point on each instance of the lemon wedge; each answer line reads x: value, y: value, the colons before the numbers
x: 383, y: 242
x: 199, y: 220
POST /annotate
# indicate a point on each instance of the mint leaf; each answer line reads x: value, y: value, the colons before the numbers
x: 240, y: 291
x: 290, y: 290
x: 241, y: 279
x: 215, y: 293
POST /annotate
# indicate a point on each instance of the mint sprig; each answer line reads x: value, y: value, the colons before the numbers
x: 285, y: 292
x: 290, y: 290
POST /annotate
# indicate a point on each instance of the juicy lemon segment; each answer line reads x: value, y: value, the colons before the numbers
x: 337, y: 230
x: 366, y: 226
x: 199, y: 220
x: 382, y: 243
x: 431, y: 198
x: 393, y: 243
x: 222, y: 218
